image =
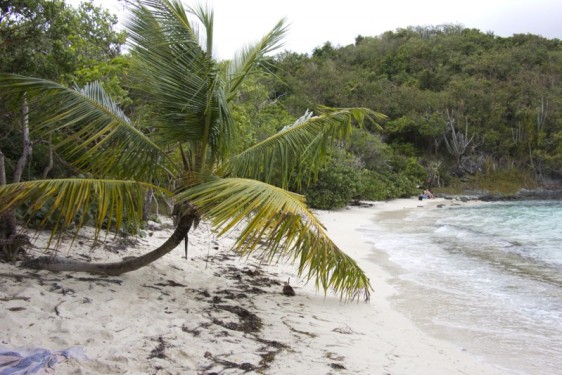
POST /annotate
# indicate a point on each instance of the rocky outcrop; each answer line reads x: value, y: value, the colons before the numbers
x: 525, y: 195
x: 521, y: 195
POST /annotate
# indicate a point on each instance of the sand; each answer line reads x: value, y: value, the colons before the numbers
x: 217, y: 313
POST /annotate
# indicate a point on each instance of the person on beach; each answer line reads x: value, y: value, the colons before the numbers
x: 426, y: 194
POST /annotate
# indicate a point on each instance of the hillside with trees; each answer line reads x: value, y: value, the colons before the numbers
x: 467, y: 106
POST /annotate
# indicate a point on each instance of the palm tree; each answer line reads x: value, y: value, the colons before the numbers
x: 184, y: 152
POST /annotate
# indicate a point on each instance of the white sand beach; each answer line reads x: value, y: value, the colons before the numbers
x: 217, y: 313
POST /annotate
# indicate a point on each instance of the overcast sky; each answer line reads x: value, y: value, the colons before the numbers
x: 314, y: 22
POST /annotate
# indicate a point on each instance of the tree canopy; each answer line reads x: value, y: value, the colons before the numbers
x: 507, y: 90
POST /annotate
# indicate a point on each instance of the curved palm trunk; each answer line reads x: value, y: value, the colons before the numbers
x: 117, y: 268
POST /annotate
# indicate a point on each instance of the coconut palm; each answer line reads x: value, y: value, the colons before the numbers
x: 184, y: 152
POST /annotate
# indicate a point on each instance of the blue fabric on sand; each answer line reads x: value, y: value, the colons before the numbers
x: 34, y: 361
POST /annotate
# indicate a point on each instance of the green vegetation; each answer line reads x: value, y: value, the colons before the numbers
x: 497, y: 101
x: 338, y: 182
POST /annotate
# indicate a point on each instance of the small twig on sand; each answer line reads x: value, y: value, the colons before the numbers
x: 57, y: 308
x: 6, y: 299
x: 15, y: 275
x: 114, y: 281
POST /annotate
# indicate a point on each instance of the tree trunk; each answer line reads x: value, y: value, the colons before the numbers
x: 50, y: 162
x: 185, y: 223
x: 27, y: 146
x: 2, y: 169
x: 8, y: 223
x: 3, y: 222
x: 146, y: 206
x: 9, y: 247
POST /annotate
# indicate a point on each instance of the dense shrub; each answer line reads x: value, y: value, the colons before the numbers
x: 378, y: 186
x: 344, y: 179
x: 369, y: 148
x: 339, y: 181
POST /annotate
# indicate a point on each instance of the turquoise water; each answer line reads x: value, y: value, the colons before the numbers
x: 486, y: 276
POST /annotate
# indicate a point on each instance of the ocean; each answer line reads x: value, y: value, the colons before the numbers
x: 485, y: 276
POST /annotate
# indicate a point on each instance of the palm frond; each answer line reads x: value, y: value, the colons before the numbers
x: 170, y: 67
x: 69, y: 202
x: 249, y: 57
x: 153, y: 18
x: 179, y: 77
x: 98, y: 137
x: 298, y: 149
x: 206, y: 16
x: 278, y: 223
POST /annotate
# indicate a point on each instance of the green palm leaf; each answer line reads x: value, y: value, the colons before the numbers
x: 98, y: 137
x: 279, y: 224
x: 206, y: 16
x: 69, y: 200
x: 248, y: 58
x: 297, y: 149
x: 181, y: 79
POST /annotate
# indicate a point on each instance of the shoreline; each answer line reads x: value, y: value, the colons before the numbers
x: 441, y: 356
x: 216, y: 312
x: 464, y: 279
